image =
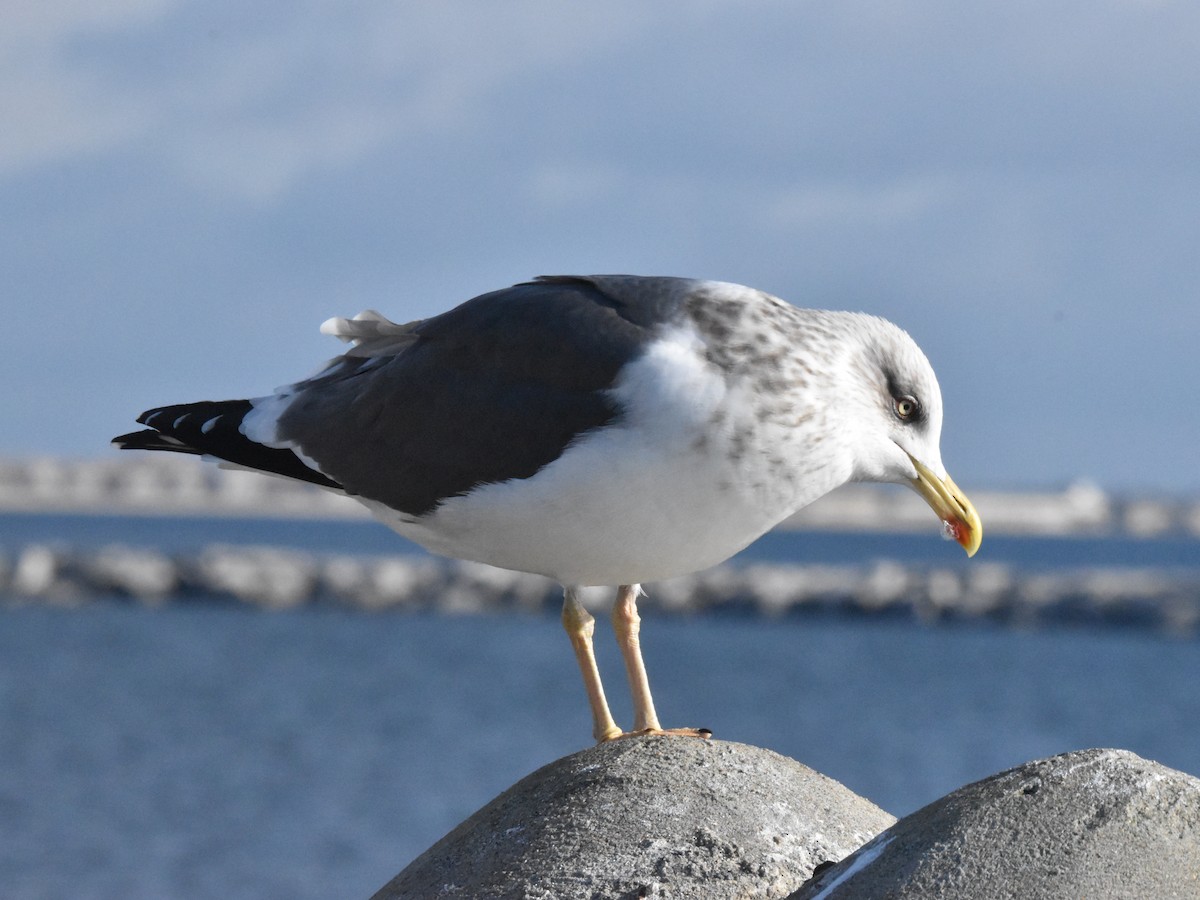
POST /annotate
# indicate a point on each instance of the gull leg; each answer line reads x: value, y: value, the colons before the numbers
x: 579, y: 626
x: 627, y: 624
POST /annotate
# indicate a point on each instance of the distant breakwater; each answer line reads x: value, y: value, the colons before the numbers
x: 277, y: 578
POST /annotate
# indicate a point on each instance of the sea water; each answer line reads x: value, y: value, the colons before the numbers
x: 206, y: 750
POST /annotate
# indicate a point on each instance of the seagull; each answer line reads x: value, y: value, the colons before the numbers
x: 599, y: 430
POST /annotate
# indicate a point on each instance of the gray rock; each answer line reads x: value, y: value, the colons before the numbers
x: 147, y: 574
x: 1093, y: 823
x: 648, y: 817
x: 48, y: 573
x: 265, y: 576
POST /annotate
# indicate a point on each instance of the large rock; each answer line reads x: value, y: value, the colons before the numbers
x: 648, y: 817
x: 1094, y: 823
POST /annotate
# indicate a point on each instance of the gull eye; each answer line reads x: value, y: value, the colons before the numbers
x: 906, y: 406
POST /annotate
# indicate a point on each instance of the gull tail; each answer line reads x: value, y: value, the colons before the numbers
x: 214, y: 428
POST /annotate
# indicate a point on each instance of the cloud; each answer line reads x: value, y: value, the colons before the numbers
x: 52, y: 108
x: 857, y: 204
x: 249, y: 102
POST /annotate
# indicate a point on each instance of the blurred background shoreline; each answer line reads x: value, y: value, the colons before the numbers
x: 187, y: 486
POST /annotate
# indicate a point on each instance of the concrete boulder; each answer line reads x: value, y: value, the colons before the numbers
x: 648, y: 817
x: 1093, y: 823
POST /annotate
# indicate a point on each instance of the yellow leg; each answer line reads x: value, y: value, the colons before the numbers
x: 627, y: 623
x: 580, y: 625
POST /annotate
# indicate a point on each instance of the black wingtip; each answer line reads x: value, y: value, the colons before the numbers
x: 213, y: 428
x: 151, y: 440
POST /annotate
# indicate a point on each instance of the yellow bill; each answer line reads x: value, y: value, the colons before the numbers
x: 958, y: 516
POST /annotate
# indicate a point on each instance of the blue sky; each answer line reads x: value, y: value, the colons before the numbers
x: 189, y: 190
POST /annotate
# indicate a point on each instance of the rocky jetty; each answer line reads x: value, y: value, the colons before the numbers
x: 684, y: 818
x: 279, y: 578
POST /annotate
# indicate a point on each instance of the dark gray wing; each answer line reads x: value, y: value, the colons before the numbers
x: 492, y: 390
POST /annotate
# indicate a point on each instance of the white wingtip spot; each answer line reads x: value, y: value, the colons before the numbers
x: 209, y: 425
x: 175, y: 424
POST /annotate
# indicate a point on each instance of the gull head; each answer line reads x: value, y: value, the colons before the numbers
x: 894, y: 407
